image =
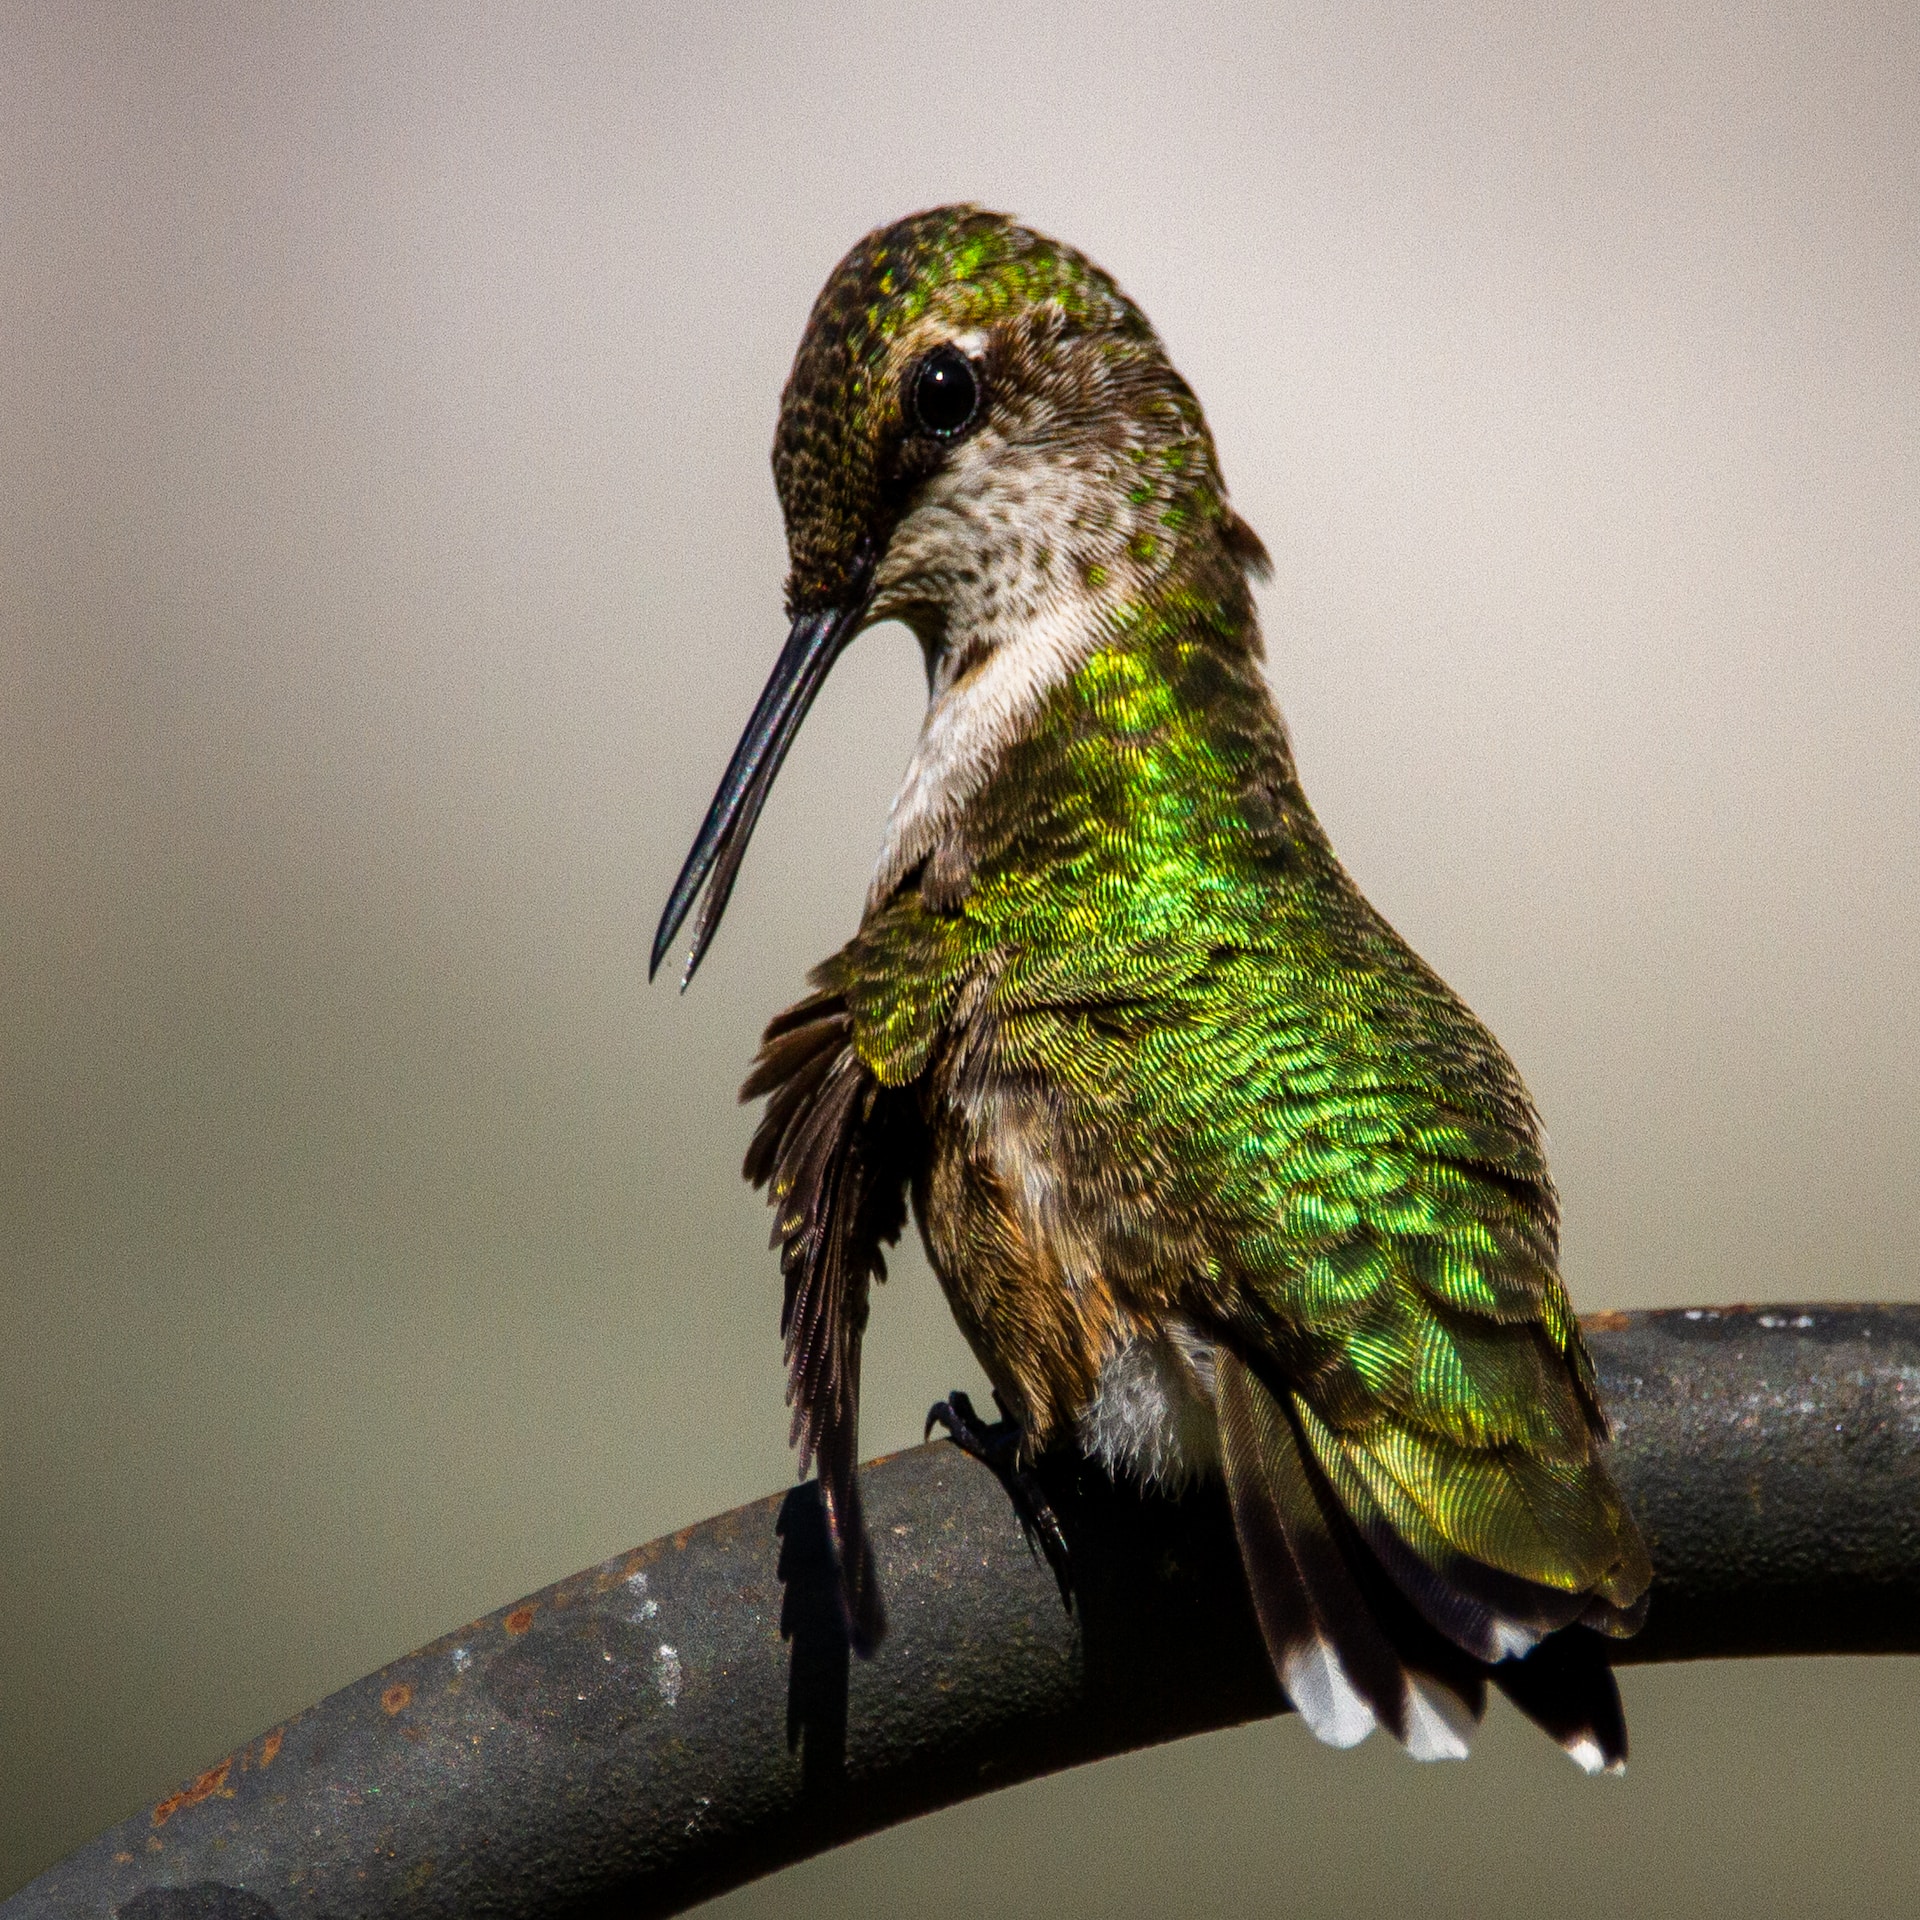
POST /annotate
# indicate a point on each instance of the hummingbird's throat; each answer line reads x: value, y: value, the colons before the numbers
x: 971, y: 720
x: 1014, y: 567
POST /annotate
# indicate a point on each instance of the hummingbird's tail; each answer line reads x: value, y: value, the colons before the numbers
x: 1365, y: 1631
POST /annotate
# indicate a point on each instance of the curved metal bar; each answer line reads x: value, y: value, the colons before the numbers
x: 686, y: 1717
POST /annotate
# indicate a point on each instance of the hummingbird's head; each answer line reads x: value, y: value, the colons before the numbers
x: 967, y: 387
x: 981, y: 436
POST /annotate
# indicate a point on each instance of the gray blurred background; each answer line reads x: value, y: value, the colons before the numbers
x: 388, y: 559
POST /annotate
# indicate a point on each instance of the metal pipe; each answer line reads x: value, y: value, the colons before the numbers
x: 656, y: 1730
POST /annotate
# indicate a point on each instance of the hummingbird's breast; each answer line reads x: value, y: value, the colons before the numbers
x: 1021, y: 1272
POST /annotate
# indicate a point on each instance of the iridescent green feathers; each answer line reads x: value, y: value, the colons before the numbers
x: 1295, y: 1130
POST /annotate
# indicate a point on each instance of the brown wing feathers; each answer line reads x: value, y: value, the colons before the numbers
x: 831, y: 1149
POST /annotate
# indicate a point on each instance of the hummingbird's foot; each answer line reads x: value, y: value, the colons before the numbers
x: 997, y: 1447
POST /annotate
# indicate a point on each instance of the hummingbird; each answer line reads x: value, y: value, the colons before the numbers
x: 1219, y: 1178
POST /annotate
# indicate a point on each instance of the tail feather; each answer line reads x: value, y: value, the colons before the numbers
x: 1364, y: 1629
x: 1567, y: 1689
x: 1303, y: 1654
x: 1342, y: 1669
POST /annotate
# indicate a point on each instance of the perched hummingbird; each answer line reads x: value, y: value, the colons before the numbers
x: 1217, y: 1175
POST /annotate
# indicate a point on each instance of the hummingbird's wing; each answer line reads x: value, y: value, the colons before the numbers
x: 1410, y: 1306
x: 831, y: 1149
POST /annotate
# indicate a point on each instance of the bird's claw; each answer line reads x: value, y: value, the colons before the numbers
x: 997, y: 1447
x: 963, y: 1425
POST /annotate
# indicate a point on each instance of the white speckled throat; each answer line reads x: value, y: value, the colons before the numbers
x: 1011, y: 567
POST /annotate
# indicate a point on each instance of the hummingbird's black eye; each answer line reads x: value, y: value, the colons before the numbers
x: 946, y: 393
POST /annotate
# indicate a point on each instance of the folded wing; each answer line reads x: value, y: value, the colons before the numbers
x: 830, y: 1149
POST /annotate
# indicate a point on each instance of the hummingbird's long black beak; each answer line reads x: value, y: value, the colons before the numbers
x: 815, y: 643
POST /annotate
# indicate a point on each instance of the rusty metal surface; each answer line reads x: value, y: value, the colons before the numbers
x: 657, y: 1729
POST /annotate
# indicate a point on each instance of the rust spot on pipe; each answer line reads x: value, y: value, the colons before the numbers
x: 1611, y: 1320
x: 397, y: 1698
x: 521, y: 1618
x: 204, y: 1788
x: 270, y: 1746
